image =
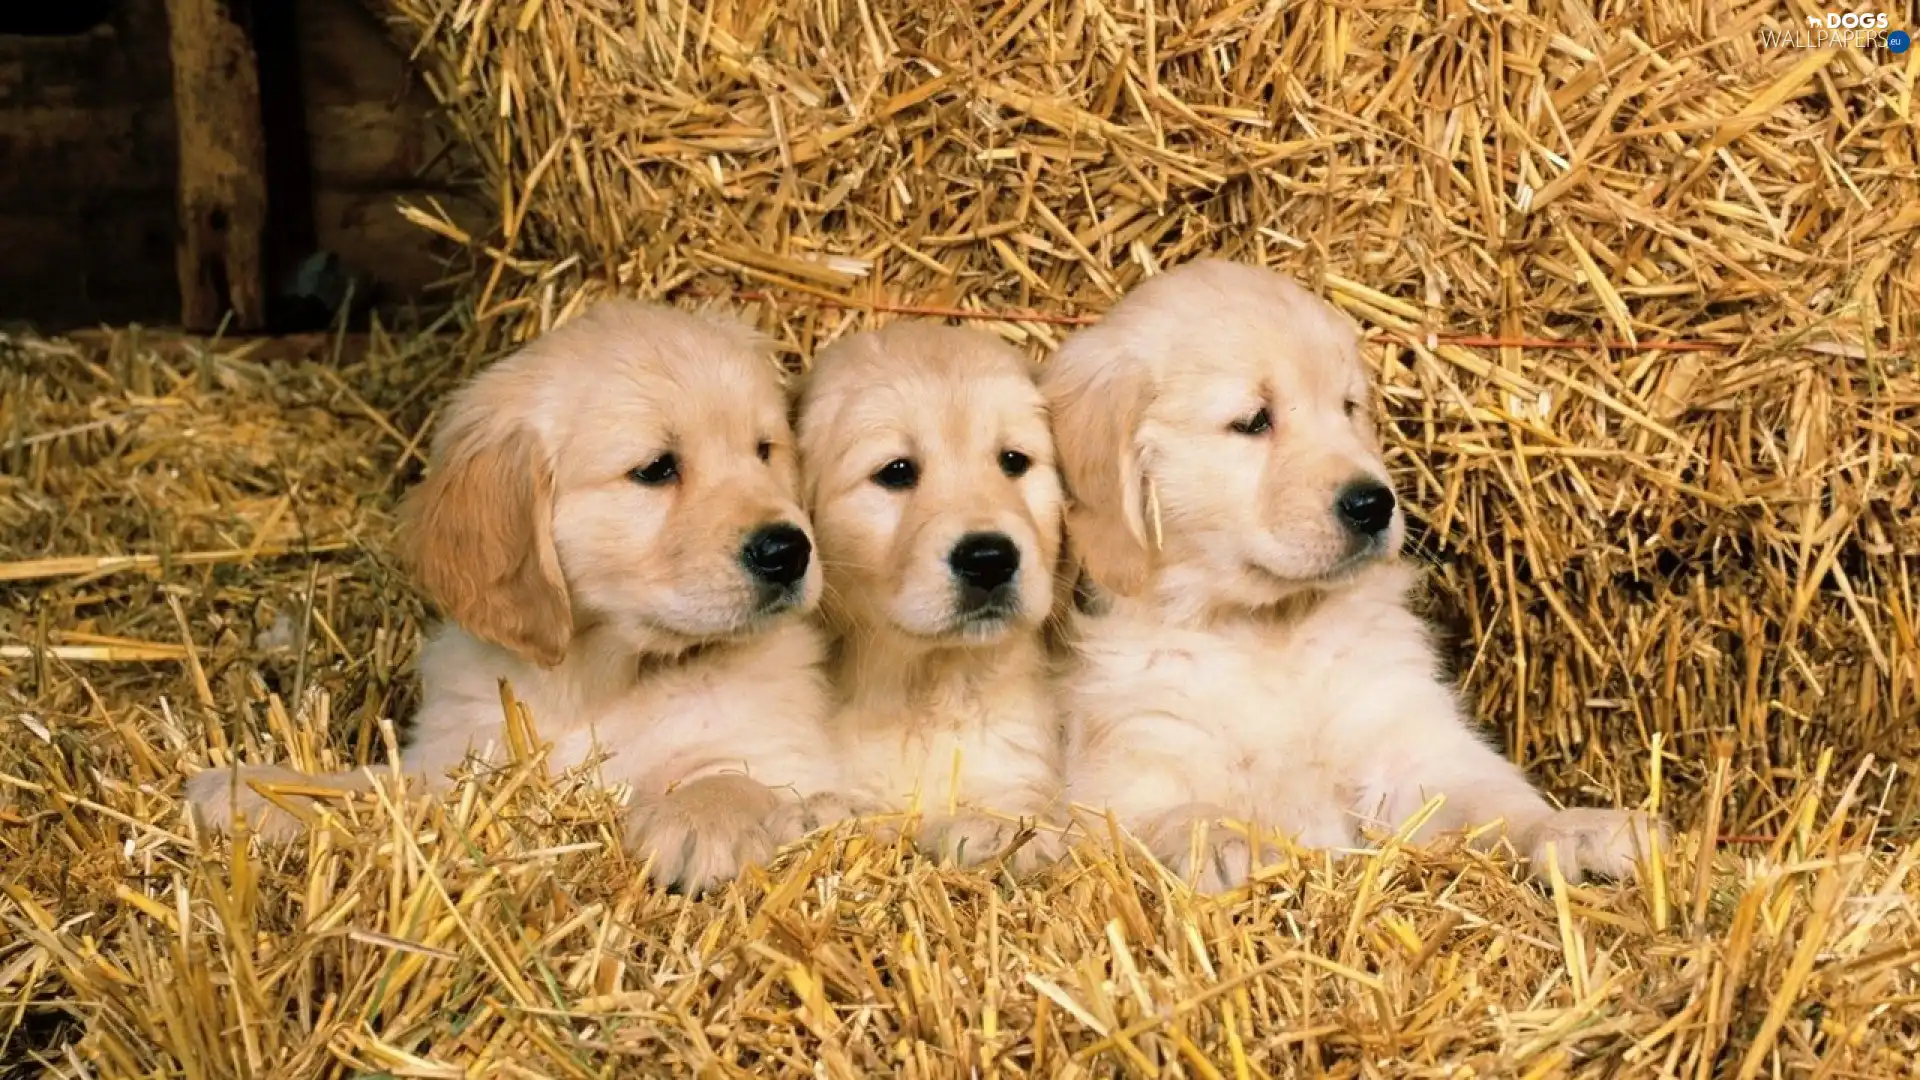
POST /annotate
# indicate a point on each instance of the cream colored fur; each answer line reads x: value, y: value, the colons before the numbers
x: 1249, y: 658
x: 620, y: 610
x: 937, y: 712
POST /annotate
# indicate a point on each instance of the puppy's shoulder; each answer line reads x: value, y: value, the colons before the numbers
x: 460, y: 686
x: 455, y: 665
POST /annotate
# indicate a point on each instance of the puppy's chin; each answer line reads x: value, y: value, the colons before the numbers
x: 1286, y: 577
x: 988, y: 625
x: 675, y: 628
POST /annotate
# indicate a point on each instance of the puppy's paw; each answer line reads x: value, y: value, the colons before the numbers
x: 795, y: 818
x: 702, y: 835
x: 1320, y: 828
x: 218, y: 798
x: 1593, y: 842
x: 968, y: 839
x: 1194, y: 843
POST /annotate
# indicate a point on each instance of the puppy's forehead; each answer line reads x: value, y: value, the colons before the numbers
x: 624, y: 375
x: 929, y: 382
x: 1304, y: 353
x: 632, y: 349
x: 1225, y: 321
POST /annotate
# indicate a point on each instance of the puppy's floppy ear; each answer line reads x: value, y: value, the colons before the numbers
x: 478, y: 536
x: 817, y: 405
x: 807, y: 440
x: 1097, y: 396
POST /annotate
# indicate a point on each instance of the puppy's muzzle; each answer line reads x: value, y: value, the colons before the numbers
x: 985, y: 566
x: 777, y: 557
x: 1365, y: 509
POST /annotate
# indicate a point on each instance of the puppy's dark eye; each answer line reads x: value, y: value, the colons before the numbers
x: 897, y: 475
x: 1257, y: 424
x: 1014, y: 463
x: 1350, y: 408
x: 765, y: 450
x: 662, y: 470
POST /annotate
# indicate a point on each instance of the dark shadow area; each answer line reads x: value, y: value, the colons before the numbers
x: 28, y: 19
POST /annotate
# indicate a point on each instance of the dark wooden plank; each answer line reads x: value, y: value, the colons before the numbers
x: 53, y: 157
x: 223, y: 185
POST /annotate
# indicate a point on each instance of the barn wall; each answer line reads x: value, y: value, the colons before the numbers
x: 375, y: 138
x: 86, y: 173
x: 87, y: 162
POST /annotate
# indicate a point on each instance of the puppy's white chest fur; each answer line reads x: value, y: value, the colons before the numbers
x: 756, y: 706
x: 985, y: 738
x: 1309, y: 725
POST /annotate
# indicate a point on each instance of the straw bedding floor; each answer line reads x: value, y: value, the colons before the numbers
x: 193, y: 570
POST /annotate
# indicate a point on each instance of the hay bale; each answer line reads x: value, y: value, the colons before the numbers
x: 1701, y: 529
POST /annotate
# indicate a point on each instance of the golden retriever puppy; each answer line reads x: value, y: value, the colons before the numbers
x: 1250, y: 655
x: 928, y: 470
x: 611, y: 524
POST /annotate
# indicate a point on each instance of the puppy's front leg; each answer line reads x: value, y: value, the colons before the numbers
x: 967, y: 839
x: 1480, y: 787
x: 218, y: 798
x: 702, y: 833
x: 1144, y: 776
x: 794, y: 818
x: 1594, y: 841
x: 1195, y: 842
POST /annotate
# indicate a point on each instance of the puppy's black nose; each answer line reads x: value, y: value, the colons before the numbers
x: 984, y: 560
x: 777, y: 554
x: 1365, y: 507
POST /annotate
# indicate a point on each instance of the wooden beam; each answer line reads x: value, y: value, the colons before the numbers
x: 223, y: 183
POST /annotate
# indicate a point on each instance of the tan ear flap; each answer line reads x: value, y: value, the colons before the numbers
x: 817, y: 405
x: 809, y: 421
x: 1098, y: 397
x: 478, y: 536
